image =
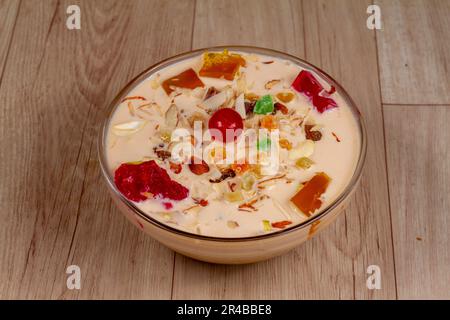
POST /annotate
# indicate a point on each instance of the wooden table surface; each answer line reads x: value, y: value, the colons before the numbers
x: 55, y: 85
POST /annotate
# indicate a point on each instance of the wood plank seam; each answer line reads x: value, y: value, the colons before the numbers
x: 385, y: 159
x: 417, y: 104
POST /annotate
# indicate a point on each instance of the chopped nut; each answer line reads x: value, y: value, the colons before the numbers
x: 232, y: 224
x: 270, y: 84
x: 304, y: 163
x: 285, y: 144
x: 211, y: 92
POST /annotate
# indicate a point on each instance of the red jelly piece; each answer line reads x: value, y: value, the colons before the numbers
x: 223, y: 120
x: 323, y: 103
x: 137, y: 181
x: 306, y: 83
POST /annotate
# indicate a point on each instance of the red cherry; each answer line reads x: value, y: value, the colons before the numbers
x: 223, y: 119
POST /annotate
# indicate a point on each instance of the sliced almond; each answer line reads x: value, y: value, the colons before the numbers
x: 240, y: 105
x: 172, y: 117
x: 128, y: 128
x: 241, y: 84
x: 214, y: 102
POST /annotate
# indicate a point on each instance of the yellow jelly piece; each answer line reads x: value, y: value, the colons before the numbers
x: 221, y: 65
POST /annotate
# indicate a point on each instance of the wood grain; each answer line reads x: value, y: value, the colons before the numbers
x: 332, y: 265
x: 8, y: 16
x: 414, y: 48
x: 418, y: 144
x: 272, y: 24
x: 57, y: 84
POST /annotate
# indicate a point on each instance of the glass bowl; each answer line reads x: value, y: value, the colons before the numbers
x: 232, y: 250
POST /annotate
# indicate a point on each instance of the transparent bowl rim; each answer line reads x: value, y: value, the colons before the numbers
x: 246, y: 49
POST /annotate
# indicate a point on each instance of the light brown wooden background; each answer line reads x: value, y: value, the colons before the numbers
x: 55, y: 85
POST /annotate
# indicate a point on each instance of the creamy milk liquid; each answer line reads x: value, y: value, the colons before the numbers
x: 221, y: 218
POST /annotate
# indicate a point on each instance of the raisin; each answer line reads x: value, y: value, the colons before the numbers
x: 281, y: 107
x: 249, y: 106
x: 312, y: 135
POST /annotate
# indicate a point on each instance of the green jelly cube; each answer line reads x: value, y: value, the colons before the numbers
x: 264, y: 105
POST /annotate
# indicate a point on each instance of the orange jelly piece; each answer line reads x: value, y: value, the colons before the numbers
x: 187, y: 79
x: 221, y: 65
x: 269, y: 122
x: 307, y: 198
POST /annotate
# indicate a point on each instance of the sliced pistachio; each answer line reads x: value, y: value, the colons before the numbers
x: 266, y: 225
